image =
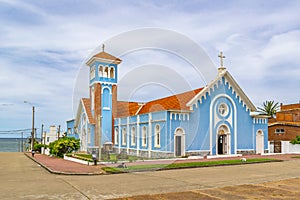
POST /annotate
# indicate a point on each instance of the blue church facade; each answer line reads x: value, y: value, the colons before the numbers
x: 218, y: 119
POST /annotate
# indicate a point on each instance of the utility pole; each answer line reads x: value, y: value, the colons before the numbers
x: 32, y: 133
x: 58, y: 133
x: 44, y: 140
x: 42, y: 133
x: 22, y: 142
x: 18, y: 145
x: 35, y: 136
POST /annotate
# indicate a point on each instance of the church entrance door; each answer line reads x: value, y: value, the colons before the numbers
x: 222, y: 144
x: 223, y: 140
x: 179, y: 142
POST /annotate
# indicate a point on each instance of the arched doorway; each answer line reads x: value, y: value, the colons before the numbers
x: 259, y: 142
x: 179, y: 142
x: 223, y: 140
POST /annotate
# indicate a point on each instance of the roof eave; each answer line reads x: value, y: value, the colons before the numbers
x: 93, y: 59
x: 232, y: 82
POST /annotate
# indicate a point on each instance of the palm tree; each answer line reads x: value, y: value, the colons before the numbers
x: 269, y: 108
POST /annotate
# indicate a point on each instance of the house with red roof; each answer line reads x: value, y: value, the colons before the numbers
x: 284, y: 128
x: 218, y: 119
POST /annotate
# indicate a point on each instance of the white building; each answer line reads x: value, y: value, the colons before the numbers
x: 49, y: 137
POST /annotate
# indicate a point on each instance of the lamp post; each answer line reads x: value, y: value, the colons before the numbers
x: 32, y: 132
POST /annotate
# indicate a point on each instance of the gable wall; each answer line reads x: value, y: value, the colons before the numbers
x: 206, y: 124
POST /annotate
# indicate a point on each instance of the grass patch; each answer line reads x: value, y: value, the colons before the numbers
x: 192, y: 164
x: 112, y: 170
x: 146, y: 167
x: 216, y: 163
x: 296, y: 157
x: 113, y: 158
x: 85, y: 157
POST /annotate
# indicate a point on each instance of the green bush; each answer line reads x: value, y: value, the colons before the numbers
x: 296, y: 140
x: 64, y: 145
x: 38, y: 147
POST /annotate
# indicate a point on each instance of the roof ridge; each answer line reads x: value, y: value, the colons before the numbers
x: 194, y: 90
x: 172, y: 102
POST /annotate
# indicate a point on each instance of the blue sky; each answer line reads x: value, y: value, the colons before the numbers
x: 43, y: 44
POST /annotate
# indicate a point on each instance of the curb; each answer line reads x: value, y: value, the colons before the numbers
x: 59, y: 172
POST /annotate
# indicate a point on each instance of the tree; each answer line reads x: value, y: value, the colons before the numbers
x: 296, y: 140
x: 38, y: 147
x: 64, y: 145
x: 269, y: 108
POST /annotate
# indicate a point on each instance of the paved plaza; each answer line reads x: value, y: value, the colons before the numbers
x: 22, y: 178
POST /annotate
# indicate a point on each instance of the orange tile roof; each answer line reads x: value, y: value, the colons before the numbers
x: 87, y: 107
x: 107, y: 56
x: 125, y: 109
x: 175, y: 102
x: 284, y: 123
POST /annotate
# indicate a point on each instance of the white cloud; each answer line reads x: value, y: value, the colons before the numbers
x: 282, y: 48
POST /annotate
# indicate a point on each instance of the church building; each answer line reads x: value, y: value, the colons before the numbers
x: 218, y: 119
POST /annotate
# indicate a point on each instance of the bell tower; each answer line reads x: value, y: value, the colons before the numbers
x: 103, y: 81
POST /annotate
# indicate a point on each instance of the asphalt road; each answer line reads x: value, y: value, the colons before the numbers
x: 21, y: 178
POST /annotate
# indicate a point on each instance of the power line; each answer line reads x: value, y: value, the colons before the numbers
x: 14, y: 133
x: 18, y: 130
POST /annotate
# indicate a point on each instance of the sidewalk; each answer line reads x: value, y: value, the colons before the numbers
x: 61, y: 166
x: 64, y: 167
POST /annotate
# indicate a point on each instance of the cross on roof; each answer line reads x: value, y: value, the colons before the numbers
x: 221, y: 56
x: 103, y: 46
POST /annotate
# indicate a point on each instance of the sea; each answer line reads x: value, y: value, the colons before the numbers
x: 12, y: 144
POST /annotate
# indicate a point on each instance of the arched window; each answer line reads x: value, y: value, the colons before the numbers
x: 100, y: 71
x: 106, y: 98
x: 92, y: 72
x: 144, y: 136
x: 116, y: 136
x: 112, y: 73
x: 157, y: 136
x: 105, y: 72
x: 124, y: 136
x: 133, y: 136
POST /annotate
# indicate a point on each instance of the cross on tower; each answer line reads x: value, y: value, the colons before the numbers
x: 221, y: 56
x: 103, y: 46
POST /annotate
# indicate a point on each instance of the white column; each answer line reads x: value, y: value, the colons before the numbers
x: 150, y: 135
x: 119, y: 134
x: 128, y: 133
x: 108, y: 73
x: 138, y: 135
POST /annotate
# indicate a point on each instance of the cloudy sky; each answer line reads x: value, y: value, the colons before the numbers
x: 43, y: 46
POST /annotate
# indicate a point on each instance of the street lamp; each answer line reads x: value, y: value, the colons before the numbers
x: 32, y: 133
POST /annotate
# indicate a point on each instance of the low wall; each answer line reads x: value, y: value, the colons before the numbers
x: 287, y: 147
x: 77, y: 160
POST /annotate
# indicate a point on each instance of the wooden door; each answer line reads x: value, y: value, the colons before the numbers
x: 178, y: 146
